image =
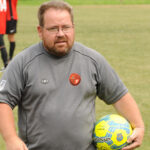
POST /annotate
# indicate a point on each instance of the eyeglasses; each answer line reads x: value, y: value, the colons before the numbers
x: 55, y: 30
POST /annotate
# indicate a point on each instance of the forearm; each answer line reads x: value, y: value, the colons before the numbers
x: 128, y: 108
x: 7, y: 125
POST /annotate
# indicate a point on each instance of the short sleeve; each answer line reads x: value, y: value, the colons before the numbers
x: 11, y: 84
x: 110, y: 88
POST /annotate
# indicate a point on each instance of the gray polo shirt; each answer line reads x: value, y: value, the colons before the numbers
x: 56, y: 96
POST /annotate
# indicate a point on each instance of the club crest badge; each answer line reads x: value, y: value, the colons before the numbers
x: 75, y: 79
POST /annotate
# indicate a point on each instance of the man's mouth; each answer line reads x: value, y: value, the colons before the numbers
x: 61, y: 41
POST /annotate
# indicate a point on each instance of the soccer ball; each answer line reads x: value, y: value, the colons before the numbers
x: 111, y: 132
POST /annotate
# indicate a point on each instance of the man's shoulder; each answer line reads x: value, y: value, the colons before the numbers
x: 33, y: 50
x: 29, y: 53
x: 87, y: 52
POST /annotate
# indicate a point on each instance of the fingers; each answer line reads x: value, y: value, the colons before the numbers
x: 132, y: 137
x: 131, y: 146
x: 135, y: 139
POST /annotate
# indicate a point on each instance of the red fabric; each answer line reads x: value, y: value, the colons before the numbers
x: 14, y: 9
x: 3, y: 8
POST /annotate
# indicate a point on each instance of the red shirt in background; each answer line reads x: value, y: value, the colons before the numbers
x: 3, y: 8
x: 12, y: 5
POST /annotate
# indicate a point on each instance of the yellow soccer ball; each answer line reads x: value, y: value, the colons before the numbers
x: 111, y: 132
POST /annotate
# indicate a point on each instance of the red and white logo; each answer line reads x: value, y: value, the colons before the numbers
x: 74, y: 79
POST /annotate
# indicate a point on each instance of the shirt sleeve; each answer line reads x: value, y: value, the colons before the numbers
x: 110, y: 88
x: 11, y: 84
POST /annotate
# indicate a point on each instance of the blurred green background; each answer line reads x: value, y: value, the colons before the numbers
x: 85, y: 2
x: 118, y: 29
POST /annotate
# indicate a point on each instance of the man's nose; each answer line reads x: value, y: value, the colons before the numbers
x: 60, y: 32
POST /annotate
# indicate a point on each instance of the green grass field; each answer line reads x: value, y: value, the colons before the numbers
x: 119, y: 32
x: 89, y: 2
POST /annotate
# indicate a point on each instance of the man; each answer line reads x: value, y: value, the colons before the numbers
x: 55, y: 83
x: 11, y: 27
x: 3, y: 8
